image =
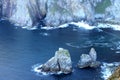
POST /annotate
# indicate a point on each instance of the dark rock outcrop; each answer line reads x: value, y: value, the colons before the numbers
x: 88, y: 60
x: 60, y: 63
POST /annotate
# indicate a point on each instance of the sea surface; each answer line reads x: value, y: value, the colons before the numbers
x: 21, y: 50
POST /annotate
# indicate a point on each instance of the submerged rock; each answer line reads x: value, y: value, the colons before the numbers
x: 60, y: 63
x: 115, y: 75
x: 89, y: 60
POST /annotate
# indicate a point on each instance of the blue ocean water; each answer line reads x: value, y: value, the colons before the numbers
x: 21, y: 49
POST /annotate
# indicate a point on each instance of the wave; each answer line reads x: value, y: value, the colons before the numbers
x: 51, y: 28
x: 86, y: 26
x: 36, y: 69
x: 106, y: 25
x: 78, y: 24
x: 29, y: 28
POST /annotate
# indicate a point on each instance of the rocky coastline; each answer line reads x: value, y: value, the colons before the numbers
x: 29, y: 13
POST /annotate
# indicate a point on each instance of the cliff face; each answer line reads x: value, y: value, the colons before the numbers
x: 28, y: 13
x: 113, y: 11
x: 23, y: 13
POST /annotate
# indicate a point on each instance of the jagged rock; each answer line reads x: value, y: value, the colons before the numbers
x: 63, y: 11
x: 93, y: 54
x: 25, y: 13
x: 60, y: 63
x: 88, y: 60
x: 115, y: 75
x: 113, y: 12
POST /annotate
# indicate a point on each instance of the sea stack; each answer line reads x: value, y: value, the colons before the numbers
x: 89, y: 60
x: 60, y: 63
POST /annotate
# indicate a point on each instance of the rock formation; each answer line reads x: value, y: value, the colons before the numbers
x: 107, y: 69
x: 88, y: 60
x: 60, y: 63
x: 28, y: 13
x: 63, y: 11
x: 24, y: 13
x: 115, y: 75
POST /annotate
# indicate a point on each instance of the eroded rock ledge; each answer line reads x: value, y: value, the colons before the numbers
x: 60, y: 63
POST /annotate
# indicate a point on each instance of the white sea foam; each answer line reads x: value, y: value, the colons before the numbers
x: 105, y: 25
x: 82, y: 25
x: 64, y: 25
x: 30, y: 28
x: 85, y: 26
x: 33, y: 28
x: 79, y: 24
x: 118, y: 52
x: 38, y: 71
x: 48, y: 28
x: 45, y: 34
x: 108, y: 68
x: 51, y: 28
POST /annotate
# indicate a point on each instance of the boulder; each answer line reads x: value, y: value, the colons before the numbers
x: 115, y: 75
x: 60, y: 63
x: 89, y: 60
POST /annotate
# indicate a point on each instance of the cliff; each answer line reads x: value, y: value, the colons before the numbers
x: 28, y: 13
